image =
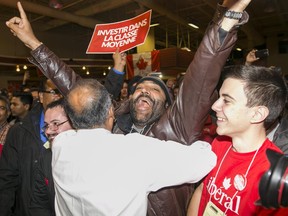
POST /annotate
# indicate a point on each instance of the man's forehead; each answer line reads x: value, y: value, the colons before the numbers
x: 149, y: 82
x: 14, y: 98
x: 58, y: 110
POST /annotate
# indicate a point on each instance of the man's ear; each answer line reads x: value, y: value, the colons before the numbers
x: 260, y: 114
x: 111, y: 113
x: 110, y: 119
x: 27, y: 106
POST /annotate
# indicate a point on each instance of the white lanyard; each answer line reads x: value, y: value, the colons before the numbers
x: 240, y: 187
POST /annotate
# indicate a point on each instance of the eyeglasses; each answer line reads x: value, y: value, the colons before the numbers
x: 53, y: 91
x: 53, y: 126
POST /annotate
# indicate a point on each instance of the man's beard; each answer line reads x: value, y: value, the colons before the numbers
x: 158, y: 108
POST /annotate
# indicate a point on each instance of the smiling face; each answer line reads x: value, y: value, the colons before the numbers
x: 147, y: 103
x: 54, y: 116
x: 233, y: 116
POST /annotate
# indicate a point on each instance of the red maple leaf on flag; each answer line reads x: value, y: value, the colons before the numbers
x: 141, y: 64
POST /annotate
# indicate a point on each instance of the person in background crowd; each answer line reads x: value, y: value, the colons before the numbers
x: 33, y: 90
x: 20, y: 156
x: 21, y: 104
x: 43, y: 194
x: 4, y: 125
x: 124, y: 92
x: 277, y: 132
x: 35, y: 94
x: 149, y: 110
x: 170, y: 83
x: 4, y: 92
x: 10, y: 95
x: 250, y: 57
x: 79, y: 156
x: 251, y: 98
x: 175, y: 91
x: 209, y: 130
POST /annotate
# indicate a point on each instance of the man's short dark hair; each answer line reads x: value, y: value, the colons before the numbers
x: 90, y: 107
x: 57, y: 103
x: 263, y: 87
x: 25, y: 97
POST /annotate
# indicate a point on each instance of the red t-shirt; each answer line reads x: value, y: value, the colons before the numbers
x: 220, y: 188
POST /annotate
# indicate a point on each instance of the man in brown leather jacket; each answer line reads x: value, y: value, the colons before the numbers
x: 184, y: 119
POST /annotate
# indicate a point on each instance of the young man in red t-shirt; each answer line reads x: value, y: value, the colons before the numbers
x: 251, y: 98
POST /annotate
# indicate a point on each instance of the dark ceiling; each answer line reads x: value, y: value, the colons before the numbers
x: 267, y: 18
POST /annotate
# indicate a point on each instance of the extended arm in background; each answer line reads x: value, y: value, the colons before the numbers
x: 51, y: 65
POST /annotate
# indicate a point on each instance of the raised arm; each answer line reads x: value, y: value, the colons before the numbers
x: 184, y: 120
x: 52, y: 66
x: 251, y: 57
x: 115, y: 78
x: 21, y: 28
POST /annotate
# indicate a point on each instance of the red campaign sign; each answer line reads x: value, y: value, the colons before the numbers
x: 125, y: 35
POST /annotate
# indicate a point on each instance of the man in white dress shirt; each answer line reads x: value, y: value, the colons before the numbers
x: 99, y: 173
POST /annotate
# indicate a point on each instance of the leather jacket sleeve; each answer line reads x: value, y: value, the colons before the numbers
x: 184, y: 119
x: 65, y: 77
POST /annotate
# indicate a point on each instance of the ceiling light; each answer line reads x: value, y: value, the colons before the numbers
x: 87, y: 72
x: 193, y: 25
x: 25, y: 67
x: 104, y: 73
x: 186, y: 48
x: 109, y: 67
x: 239, y: 49
x: 155, y: 24
x: 17, y: 68
x: 83, y: 68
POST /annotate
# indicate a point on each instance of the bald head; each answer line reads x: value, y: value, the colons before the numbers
x: 80, y: 98
x: 88, y: 104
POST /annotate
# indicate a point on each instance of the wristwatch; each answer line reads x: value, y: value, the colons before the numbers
x: 233, y: 14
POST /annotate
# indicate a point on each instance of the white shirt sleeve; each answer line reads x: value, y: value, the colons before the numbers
x: 171, y: 163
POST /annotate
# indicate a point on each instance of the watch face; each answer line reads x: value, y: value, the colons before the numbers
x: 233, y: 14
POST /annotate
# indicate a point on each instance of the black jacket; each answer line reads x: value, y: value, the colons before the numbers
x: 280, y: 137
x: 43, y: 193
x: 18, y: 163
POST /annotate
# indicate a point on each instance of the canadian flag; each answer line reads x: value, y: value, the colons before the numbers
x: 142, y: 63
